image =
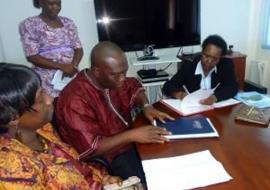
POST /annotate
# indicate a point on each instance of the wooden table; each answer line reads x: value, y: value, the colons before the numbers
x: 242, y: 148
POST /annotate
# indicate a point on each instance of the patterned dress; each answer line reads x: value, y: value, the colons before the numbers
x: 23, y: 168
x: 56, y: 44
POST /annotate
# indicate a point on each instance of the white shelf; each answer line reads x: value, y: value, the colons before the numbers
x: 159, y: 83
x: 166, y: 58
x: 152, y: 87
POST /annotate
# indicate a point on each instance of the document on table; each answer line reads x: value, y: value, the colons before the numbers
x: 189, y: 127
x: 254, y: 99
x: 193, y: 99
x: 226, y: 103
x: 189, y: 107
x: 59, y: 82
x: 190, y: 103
x: 184, y: 172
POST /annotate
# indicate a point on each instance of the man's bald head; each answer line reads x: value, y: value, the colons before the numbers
x: 104, y: 50
x: 108, y: 65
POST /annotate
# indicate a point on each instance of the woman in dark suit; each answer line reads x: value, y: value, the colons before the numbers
x: 206, y: 71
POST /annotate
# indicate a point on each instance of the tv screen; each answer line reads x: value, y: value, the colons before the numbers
x: 132, y: 24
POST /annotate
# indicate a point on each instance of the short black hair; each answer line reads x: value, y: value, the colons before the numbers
x: 217, y: 41
x: 18, y: 88
x: 36, y: 4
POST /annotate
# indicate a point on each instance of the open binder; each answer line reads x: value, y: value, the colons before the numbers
x: 190, y: 109
x: 190, y: 104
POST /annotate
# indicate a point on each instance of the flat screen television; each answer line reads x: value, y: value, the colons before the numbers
x: 133, y: 24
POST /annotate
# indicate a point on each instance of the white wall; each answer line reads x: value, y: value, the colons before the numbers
x: 229, y: 18
x: 262, y: 55
x: 11, y: 12
x: 2, y: 55
x: 254, y: 28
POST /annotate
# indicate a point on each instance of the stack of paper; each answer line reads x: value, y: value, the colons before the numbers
x: 59, y: 81
x: 184, y: 172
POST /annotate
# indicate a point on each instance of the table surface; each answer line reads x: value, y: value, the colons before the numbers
x: 243, y: 148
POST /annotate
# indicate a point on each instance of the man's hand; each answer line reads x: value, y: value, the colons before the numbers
x: 149, y: 134
x: 209, y: 101
x: 152, y: 113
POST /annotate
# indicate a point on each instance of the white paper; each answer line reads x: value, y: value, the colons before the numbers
x: 59, y: 82
x: 187, y: 109
x: 226, y: 103
x: 192, y: 107
x: 193, y: 99
x: 184, y: 172
x: 191, y: 103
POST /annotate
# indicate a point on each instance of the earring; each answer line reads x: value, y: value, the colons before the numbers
x: 18, y: 134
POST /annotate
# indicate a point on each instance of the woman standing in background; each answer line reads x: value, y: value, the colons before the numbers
x: 51, y: 43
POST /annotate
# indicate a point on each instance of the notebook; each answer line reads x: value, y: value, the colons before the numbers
x: 189, y: 127
x: 253, y: 114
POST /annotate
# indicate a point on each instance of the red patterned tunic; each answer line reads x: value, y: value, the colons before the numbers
x: 86, y: 113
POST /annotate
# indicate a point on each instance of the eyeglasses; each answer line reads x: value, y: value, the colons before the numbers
x: 31, y: 109
x: 213, y: 58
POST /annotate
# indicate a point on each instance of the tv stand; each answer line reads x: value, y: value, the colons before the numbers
x: 153, y: 85
x: 161, y: 59
x: 146, y: 58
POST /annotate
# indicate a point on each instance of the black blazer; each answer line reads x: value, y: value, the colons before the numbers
x: 225, y: 75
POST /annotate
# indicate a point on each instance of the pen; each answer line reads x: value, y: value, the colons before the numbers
x: 216, y: 86
x: 154, y: 123
x: 249, y: 112
x: 185, y: 88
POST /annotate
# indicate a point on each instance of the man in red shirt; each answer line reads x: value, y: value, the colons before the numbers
x: 94, y: 112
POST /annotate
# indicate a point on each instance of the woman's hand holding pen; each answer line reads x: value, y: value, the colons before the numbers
x: 209, y: 101
x: 179, y: 95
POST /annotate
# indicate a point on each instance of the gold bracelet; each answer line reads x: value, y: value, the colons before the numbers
x: 146, y: 105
